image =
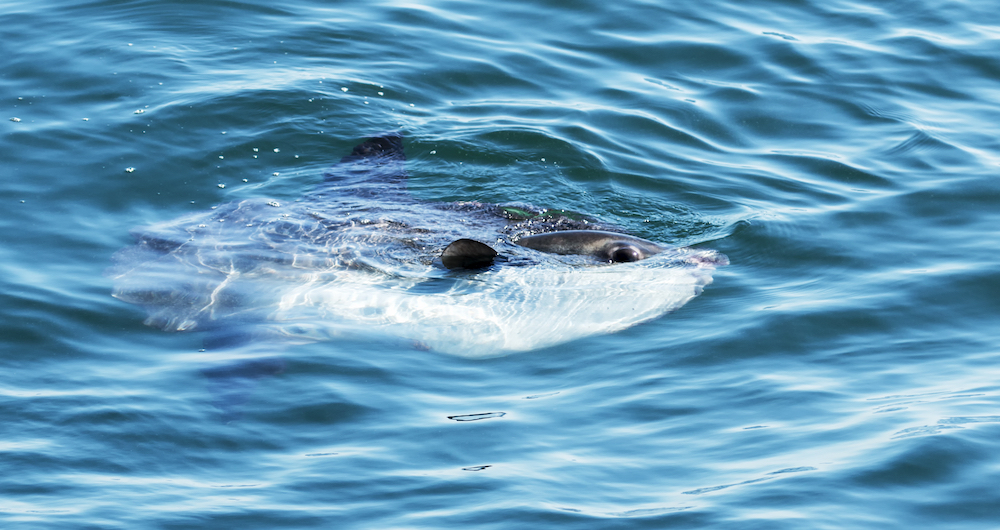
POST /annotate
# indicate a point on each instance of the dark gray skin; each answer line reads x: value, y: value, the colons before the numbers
x: 468, y: 254
x: 611, y: 247
x: 608, y: 246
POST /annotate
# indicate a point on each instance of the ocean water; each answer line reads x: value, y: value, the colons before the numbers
x: 841, y: 372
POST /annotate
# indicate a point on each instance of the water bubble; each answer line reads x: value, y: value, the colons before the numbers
x: 129, y: 169
x: 222, y: 185
x: 15, y: 120
x: 138, y: 111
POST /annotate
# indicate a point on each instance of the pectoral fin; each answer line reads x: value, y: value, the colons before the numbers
x: 467, y: 254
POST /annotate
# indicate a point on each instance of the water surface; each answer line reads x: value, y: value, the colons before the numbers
x: 840, y: 373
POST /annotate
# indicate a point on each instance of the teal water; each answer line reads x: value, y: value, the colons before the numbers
x: 840, y: 373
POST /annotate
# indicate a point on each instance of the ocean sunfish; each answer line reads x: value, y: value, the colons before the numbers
x: 358, y: 256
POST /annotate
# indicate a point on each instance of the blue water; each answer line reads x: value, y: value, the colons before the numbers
x: 840, y: 373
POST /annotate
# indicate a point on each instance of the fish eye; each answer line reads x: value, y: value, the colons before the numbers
x: 625, y: 255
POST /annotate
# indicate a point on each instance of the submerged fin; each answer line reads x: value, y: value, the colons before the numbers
x: 468, y: 254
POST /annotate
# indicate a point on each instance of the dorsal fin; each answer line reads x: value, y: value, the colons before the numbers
x: 388, y: 146
x: 467, y: 254
x: 376, y: 161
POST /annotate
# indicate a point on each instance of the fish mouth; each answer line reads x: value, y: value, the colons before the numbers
x: 709, y: 258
